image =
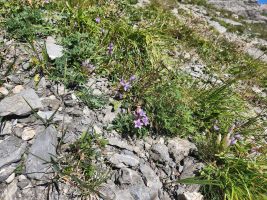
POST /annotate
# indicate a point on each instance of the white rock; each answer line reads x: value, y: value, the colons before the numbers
x: 3, y: 91
x: 217, y: 26
x: 10, y: 178
x: 7, y: 128
x: 97, y: 129
x: 191, y: 196
x: 9, y: 192
x: 53, y: 50
x: 28, y: 133
x: 17, y: 89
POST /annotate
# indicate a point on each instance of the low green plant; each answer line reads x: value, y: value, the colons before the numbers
x: 26, y: 24
x: 79, y: 167
x: 124, y: 124
x: 91, y: 100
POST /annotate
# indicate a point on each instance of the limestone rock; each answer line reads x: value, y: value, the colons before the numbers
x: 11, y: 150
x: 5, y: 172
x: 151, y: 179
x: 17, y: 105
x: 159, y: 152
x: 128, y: 176
x: 9, y: 192
x: 122, y: 160
x: 53, y: 50
x: 28, y: 133
x: 190, y: 196
x: 179, y: 148
x: 40, y: 152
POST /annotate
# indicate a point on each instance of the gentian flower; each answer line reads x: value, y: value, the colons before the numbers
x: 126, y: 85
x: 132, y: 78
x: 140, y: 117
x: 110, y: 48
x: 138, y: 123
x: 233, y: 141
x: 97, y: 20
x: 216, y: 128
x: 145, y: 120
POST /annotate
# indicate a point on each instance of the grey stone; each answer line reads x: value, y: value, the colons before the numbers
x: 11, y: 150
x: 10, y: 178
x: 190, y: 196
x: 28, y: 133
x: 41, y: 87
x: 247, y: 8
x: 151, y: 179
x: 217, y: 26
x: 106, y: 191
x: 256, y: 53
x: 3, y: 91
x: 191, y: 165
x: 128, y: 176
x: 17, y: 105
x: 5, y: 128
x: 179, y: 149
x: 53, y: 50
x: 232, y: 22
x: 41, y: 151
x: 26, y: 66
x: 5, y: 172
x: 109, y: 115
x: 114, y: 141
x: 56, y: 118
x: 123, y: 195
x: 9, y: 192
x: 159, y: 152
x: 121, y: 160
x: 141, y: 192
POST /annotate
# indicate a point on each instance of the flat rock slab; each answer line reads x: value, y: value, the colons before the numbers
x: 122, y: 160
x: 17, y: 105
x: 11, y: 150
x: 41, y: 151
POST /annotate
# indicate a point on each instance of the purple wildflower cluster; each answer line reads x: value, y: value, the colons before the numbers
x: 236, y: 138
x: 140, y: 118
x: 125, y: 86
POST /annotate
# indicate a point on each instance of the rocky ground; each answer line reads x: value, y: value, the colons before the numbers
x: 140, y: 169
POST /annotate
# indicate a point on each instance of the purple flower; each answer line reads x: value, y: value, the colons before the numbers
x: 238, y: 137
x: 233, y: 141
x: 145, y: 120
x: 46, y: 1
x: 126, y: 85
x: 216, y: 128
x: 138, y: 123
x: 97, y: 20
x: 132, y: 78
x: 110, y: 48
